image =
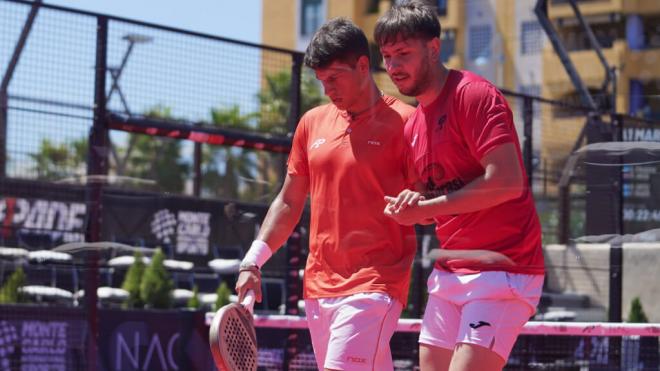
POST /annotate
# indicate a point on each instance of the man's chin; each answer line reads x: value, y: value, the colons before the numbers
x: 408, y: 91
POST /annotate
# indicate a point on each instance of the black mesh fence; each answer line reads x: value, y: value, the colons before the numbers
x: 191, y: 135
x: 47, y: 111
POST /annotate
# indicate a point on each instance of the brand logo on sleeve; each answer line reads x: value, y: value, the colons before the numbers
x: 414, y: 140
x: 317, y: 143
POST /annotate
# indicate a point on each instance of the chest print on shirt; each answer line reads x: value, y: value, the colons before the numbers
x: 433, y: 177
x: 317, y: 143
x: 441, y: 122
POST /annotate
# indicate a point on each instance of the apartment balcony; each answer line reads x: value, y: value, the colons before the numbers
x: 642, y: 64
x: 454, y: 15
x: 641, y: 7
x: 563, y: 9
x: 450, y: 14
x: 637, y: 64
x: 586, y: 63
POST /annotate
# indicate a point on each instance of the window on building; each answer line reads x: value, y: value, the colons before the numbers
x: 372, y: 6
x: 652, y: 31
x: 448, y: 46
x: 442, y: 7
x: 480, y: 42
x: 311, y: 16
x: 531, y: 38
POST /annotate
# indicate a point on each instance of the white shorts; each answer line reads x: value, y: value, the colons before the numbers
x: 488, y: 309
x: 353, y: 332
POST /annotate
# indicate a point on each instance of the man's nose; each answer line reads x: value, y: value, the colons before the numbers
x: 392, y: 65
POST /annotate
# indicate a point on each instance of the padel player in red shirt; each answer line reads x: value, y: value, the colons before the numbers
x: 488, y: 278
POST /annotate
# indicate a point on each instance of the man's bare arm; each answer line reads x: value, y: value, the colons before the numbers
x: 284, y: 212
x: 282, y: 217
x: 503, y: 180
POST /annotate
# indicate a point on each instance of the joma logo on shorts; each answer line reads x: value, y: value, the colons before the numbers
x: 356, y: 359
x: 476, y: 325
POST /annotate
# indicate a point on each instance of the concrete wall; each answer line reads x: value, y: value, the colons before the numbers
x: 584, y: 269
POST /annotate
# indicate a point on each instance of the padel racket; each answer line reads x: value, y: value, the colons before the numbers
x: 232, y: 337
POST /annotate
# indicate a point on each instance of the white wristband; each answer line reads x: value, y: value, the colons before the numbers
x: 258, y: 254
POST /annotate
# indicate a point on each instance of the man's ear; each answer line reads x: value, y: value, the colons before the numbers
x: 434, y: 47
x: 363, y: 64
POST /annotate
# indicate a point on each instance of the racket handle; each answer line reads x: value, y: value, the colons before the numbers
x: 248, y: 301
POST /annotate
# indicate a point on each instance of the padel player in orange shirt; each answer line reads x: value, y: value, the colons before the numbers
x: 347, y: 155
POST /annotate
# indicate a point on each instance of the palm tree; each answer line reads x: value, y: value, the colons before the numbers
x: 155, y: 158
x: 275, y: 103
x: 57, y: 161
x: 225, y: 169
x: 275, y: 100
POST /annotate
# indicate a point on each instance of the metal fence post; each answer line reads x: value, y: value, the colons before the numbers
x: 295, y: 94
x: 616, y: 250
x: 293, y: 290
x: 97, y: 165
x: 6, y: 79
x: 197, y: 169
x: 4, y: 103
x: 564, y: 206
x: 528, y: 154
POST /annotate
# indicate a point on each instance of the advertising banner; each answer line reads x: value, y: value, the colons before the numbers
x: 40, y: 338
x: 153, y: 340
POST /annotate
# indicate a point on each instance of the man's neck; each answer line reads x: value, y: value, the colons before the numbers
x: 438, y: 79
x: 372, y: 95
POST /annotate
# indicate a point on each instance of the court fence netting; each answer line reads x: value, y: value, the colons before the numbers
x: 153, y: 138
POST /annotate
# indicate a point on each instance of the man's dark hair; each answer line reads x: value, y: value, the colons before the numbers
x: 413, y: 19
x: 337, y: 40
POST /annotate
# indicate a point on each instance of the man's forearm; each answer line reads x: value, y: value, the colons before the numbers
x: 280, y: 221
x: 477, y: 195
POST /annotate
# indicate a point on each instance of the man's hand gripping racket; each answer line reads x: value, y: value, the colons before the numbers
x: 232, y: 337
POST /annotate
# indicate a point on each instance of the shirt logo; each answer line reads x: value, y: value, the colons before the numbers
x: 476, y: 325
x: 354, y: 359
x: 317, y: 143
x: 373, y: 142
x: 441, y: 122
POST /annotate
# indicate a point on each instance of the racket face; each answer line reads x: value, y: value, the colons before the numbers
x: 233, y: 339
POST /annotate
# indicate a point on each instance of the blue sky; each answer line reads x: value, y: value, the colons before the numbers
x: 189, y: 75
x: 228, y: 18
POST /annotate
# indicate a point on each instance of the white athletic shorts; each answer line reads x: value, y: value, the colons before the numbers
x: 353, y: 332
x: 488, y: 309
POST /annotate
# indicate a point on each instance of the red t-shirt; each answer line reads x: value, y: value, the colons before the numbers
x: 469, y: 118
x: 352, y: 163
